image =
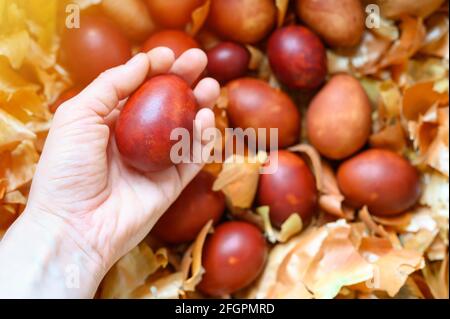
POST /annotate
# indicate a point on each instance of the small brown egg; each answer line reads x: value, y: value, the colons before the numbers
x: 173, y: 13
x: 176, y: 40
x: 227, y: 61
x: 297, y: 57
x: 244, y: 21
x: 255, y: 104
x: 339, y: 118
x: 383, y: 180
x: 339, y: 23
x: 291, y: 189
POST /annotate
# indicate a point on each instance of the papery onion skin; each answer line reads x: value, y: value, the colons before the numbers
x: 227, y: 61
x: 380, y: 179
x: 94, y: 47
x: 244, y: 21
x: 176, y: 40
x: 173, y: 13
x: 339, y: 23
x: 143, y: 129
x: 255, y: 104
x: 290, y: 189
x: 339, y: 118
x: 297, y: 57
x: 195, y: 206
x: 233, y: 257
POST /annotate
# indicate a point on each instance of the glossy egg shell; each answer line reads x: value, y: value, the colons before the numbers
x: 233, y: 257
x: 339, y: 118
x: 176, y: 40
x: 96, y: 46
x: 291, y: 189
x: 196, y: 205
x: 143, y: 129
x: 383, y: 180
x: 227, y: 61
x: 297, y: 57
x: 255, y: 104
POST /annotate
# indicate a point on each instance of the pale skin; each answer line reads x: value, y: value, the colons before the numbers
x: 87, y: 207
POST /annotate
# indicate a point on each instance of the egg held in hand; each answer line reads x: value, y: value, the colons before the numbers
x: 162, y: 104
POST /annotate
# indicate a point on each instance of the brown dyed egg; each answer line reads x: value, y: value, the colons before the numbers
x: 196, y: 205
x: 228, y: 61
x: 176, y: 40
x: 244, y: 21
x: 255, y: 104
x: 339, y: 118
x: 383, y: 180
x: 291, y: 189
x: 233, y: 257
x: 96, y: 46
x: 143, y: 129
x: 65, y: 96
x: 173, y: 13
x: 339, y: 23
x: 297, y: 57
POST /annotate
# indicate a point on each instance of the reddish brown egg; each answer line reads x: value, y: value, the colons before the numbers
x: 291, y: 189
x: 233, y: 257
x: 339, y: 118
x: 255, y: 104
x: 143, y: 129
x: 176, y: 40
x: 339, y: 23
x: 94, y: 47
x: 65, y: 96
x: 196, y: 205
x: 228, y: 61
x: 297, y: 57
x: 383, y: 180
x: 244, y: 21
x: 173, y: 13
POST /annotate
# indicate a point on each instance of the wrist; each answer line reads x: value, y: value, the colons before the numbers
x: 45, y: 257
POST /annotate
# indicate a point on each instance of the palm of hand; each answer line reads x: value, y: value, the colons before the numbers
x: 81, y: 177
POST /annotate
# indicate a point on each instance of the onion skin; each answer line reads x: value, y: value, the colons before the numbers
x: 291, y: 189
x: 176, y: 40
x: 233, y: 257
x: 339, y: 23
x: 174, y: 14
x: 195, y: 206
x: 143, y: 129
x: 244, y: 21
x: 227, y: 61
x: 96, y: 46
x: 255, y: 104
x: 297, y: 57
x: 383, y: 180
x: 339, y: 118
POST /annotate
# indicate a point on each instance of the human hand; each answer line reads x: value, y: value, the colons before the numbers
x: 81, y: 179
